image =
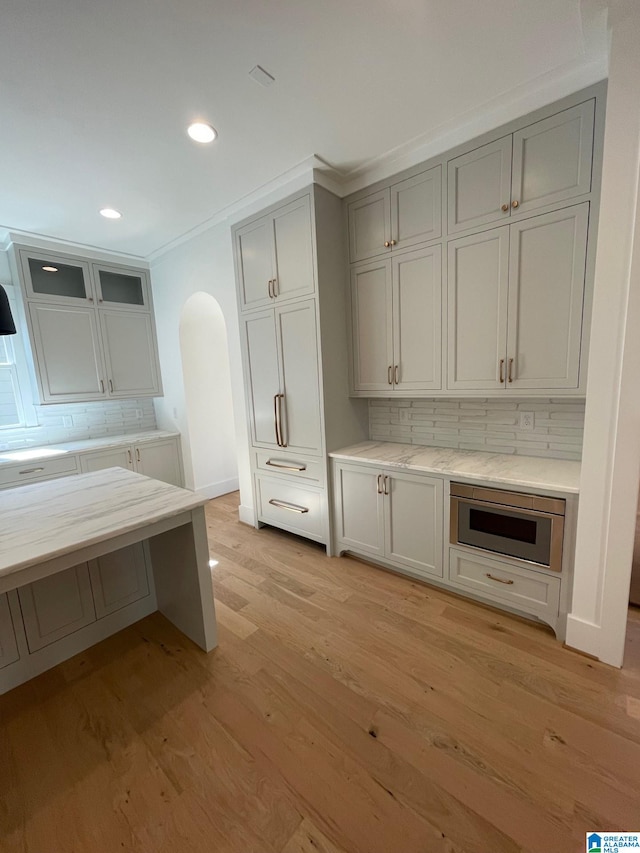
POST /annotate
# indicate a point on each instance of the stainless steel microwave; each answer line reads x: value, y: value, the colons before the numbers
x: 527, y: 528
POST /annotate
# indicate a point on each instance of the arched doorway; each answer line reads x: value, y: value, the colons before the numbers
x: 207, y: 389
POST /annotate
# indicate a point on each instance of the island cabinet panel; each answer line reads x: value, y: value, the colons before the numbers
x: 119, y: 579
x: 56, y: 606
x: 8, y: 646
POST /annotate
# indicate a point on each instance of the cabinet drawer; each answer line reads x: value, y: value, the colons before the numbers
x: 280, y: 463
x: 293, y: 506
x: 529, y: 591
x: 37, y: 469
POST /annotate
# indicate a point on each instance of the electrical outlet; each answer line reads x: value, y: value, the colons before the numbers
x: 527, y: 421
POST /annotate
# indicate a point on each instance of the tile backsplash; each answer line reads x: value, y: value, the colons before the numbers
x: 78, y: 421
x: 482, y: 424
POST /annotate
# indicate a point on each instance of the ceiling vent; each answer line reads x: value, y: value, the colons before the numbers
x: 261, y: 76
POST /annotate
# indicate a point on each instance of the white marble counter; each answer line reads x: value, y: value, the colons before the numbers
x: 46, y: 451
x: 41, y: 521
x: 545, y: 475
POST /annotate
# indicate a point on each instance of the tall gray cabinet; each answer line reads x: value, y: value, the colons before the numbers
x: 290, y: 274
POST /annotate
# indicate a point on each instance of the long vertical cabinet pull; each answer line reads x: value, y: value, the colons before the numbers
x: 384, y: 484
x: 379, y: 481
x: 275, y: 419
x: 283, y: 443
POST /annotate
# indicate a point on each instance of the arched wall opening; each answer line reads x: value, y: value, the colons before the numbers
x: 206, y: 373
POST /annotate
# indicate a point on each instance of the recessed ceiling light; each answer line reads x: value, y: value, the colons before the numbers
x: 110, y: 213
x: 50, y: 269
x: 201, y: 132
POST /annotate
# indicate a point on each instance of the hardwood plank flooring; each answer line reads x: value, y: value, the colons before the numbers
x: 346, y: 710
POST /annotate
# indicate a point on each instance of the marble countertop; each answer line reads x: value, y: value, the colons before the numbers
x: 50, y: 451
x: 45, y: 520
x: 540, y: 474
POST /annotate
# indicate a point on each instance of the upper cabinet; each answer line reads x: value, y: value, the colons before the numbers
x: 543, y: 164
x: 91, y: 327
x: 274, y: 256
x: 398, y: 217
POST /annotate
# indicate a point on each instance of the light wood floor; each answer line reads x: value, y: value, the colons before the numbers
x: 346, y: 710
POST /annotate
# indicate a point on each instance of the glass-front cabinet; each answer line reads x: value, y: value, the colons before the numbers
x: 120, y: 286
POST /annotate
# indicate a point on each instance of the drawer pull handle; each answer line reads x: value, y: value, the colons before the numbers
x: 31, y: 470
x: 500, y: 580
x: 285, y: 505
x: 286, y: 467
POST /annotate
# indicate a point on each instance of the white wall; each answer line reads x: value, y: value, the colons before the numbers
x: 204, y: 263
x: 209, y: 406
x: 611, y: 450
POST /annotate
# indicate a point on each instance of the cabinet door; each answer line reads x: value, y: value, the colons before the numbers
x: 8, y: 646
x: 552, y: 158
x: 300, y: 410
x: 358, y: 507
x: 417, y: 320
x: 478, y: 278
x: 67, y: 353
x: 118, y: 579
x: 546, y: 290
x: 114, y: 457
x: 56, y: 606
x: 262, y: 376
x: 131, y: 353
x: 160, y: 460
x: 479, y: 185
x: 122, y: 286
x: 416, y: 209
x: 413, y: 522
x: 254, y: 257
x: 51, y: 278
x: 369, y: 226
x: 372, y: 332
x: 293, y: 251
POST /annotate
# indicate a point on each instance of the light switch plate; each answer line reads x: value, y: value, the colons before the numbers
x: 527, y: 421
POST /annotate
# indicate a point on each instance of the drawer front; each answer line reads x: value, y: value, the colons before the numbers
x: 37, y: 469
x: 290, y: 505
x: 529, y: 591
x: 283, y: 464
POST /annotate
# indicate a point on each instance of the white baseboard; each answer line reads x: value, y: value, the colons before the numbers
x: 246, y: 515
x: 222, y: 487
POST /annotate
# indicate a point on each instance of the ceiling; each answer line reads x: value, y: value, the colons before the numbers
x: 95, y: 96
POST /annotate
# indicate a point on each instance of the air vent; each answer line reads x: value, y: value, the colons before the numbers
x: 261, y: 76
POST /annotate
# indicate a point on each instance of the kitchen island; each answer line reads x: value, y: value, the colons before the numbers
x: 83, y: 556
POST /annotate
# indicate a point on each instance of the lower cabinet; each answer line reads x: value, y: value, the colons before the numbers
x: 118, y: 579
x: 391, y: 515
x: 8, y: 646
x: 292, y: 506
x: 158, y: 459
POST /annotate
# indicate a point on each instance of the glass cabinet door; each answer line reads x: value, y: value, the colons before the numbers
x: 124, y: 287
x: 49, y: 278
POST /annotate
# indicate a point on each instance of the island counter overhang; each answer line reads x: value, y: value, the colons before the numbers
x: 49, y: 527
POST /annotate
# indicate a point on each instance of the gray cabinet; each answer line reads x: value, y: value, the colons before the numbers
x: 91, y: 327
x: 119, y: 579
x: 274, y: 256
x: 398, y: 217
x: 8, y: 646
x: 396, y: 323
x: 56, y: 606
x: 545, y: 163
x: 516, y: 303
x: 390, y: 515
x: 159, y: 459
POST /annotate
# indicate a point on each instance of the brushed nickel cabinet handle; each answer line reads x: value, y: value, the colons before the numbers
x: 31, y: 470
x: 276, y: 292
x: 500, y: 580
x: 138, y: 455
x: 286, y: 467
x: 396, y: 380
x: 130, y: 456
x: 390, y: 374
x: 102, y: 386
x: 379, y: 487
x: 111, y: 386
x: 502, y: 370
x: 283, y: 443
x: 269, y: 288
x: 275, y: 420
x: 510, y: 370
x: 290, y: 507
x: 384, y: 484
